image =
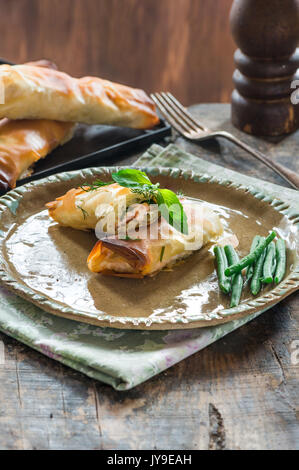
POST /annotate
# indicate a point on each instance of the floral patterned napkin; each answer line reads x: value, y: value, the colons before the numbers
x: 121, y: 358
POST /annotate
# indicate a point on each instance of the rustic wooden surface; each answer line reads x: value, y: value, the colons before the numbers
x: 239, y: 393
x: 175, y: 45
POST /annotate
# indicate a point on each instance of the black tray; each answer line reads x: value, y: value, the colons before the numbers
x: 95, y: 145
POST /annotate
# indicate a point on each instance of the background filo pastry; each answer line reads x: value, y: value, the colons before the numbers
x: 33, y: 92
x: 43, y: 105
x: 24, y: 142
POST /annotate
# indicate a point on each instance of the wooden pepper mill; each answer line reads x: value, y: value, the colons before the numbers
x: 267, y: 33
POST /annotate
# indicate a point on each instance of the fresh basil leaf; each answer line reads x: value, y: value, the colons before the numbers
x: 168, y: 197
x: 172, y: 210
x: 131, y: 178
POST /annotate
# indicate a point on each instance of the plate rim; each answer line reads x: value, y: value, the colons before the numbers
x: 289, y: 285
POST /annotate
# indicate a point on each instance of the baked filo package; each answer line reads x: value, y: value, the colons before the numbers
x: 33, y: 92
x: 25, y: 141
x: 141, y: 228
x: 41, y: 105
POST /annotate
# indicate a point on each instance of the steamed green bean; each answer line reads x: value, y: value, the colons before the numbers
x: 249, y: 269
x: 256, y: 283
x: 224, y: 282
x: 251, y: 258
x: 281, y: 261
x: 269, y: 264
x: 237, y: 279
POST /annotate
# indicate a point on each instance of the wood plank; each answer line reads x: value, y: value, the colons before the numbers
x: 43, y: 404
x: 234, y: 394
x: 183, y: 46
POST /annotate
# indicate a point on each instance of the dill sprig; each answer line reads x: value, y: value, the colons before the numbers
x: 97, y: 184
x: 150, y: 193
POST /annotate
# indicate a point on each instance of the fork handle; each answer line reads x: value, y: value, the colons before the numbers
x: 288, y: 175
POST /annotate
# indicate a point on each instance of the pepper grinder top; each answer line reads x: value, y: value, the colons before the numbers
x: 267, y: 34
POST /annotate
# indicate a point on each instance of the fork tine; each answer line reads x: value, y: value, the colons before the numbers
x: 171, y: 113
x: 185, y: 112
x: 181, y: 113
x: 169, y: 116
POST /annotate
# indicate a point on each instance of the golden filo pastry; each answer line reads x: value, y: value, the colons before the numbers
x: 146, y: 255
x: 154, y: 244
x: 24, y: 142
x: 82, y: 209
x: 43, y: 63
x: 33, y: 92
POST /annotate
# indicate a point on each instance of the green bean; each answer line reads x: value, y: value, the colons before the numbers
x: 269, y: 264
x: 237, y: 279
x: 224, y: 282
x: 281, y: 259
x: 251, y: 258
x: 249, y: 269
x: 256, y: 284
x: 274, y: 264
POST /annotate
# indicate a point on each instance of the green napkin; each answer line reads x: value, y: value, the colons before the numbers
x: 121, y: 358
x: 174, y: 157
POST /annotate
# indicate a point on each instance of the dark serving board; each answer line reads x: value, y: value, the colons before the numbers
x: 95, y: 146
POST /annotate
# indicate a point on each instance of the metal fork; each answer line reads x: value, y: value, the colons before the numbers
x: 182, y: 121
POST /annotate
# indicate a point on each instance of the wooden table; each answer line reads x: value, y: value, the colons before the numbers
x: 239, y: 393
